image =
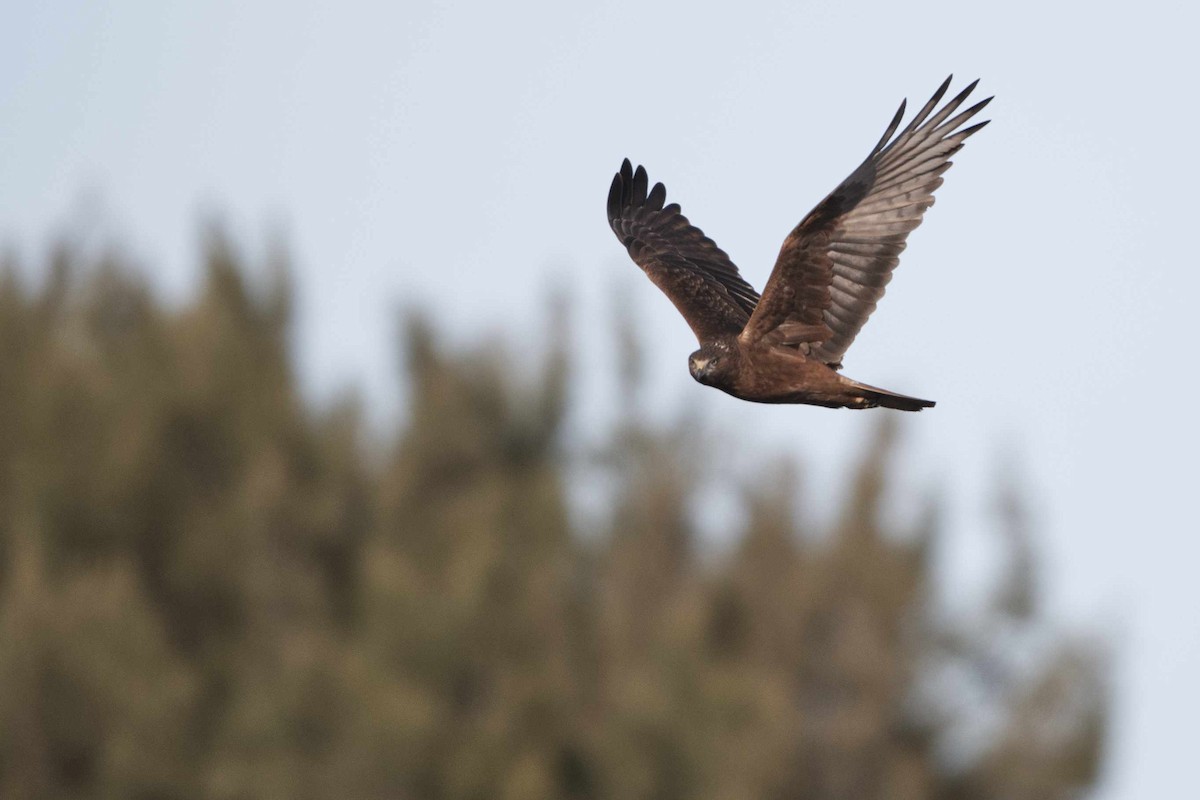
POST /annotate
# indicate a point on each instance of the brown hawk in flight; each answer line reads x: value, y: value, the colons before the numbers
x: 787, y: 345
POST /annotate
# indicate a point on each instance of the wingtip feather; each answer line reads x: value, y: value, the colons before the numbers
x: 657, y: 197
x: 891, y: 128
x: 637, y: 190
x: 614, y: 197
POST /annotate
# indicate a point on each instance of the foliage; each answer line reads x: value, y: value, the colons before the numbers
x: 209, y: 589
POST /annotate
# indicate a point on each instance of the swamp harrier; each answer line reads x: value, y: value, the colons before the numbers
x: 787, y: 345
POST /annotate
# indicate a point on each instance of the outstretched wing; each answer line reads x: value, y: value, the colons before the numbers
x: 834, y: 266
x: 688, y: 266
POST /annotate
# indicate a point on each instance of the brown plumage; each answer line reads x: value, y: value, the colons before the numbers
x: 787, y: 345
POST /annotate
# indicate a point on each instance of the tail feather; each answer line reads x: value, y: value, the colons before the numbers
x: 886, y: 399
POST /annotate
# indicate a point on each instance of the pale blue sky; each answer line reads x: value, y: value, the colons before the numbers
x: 457, y: 155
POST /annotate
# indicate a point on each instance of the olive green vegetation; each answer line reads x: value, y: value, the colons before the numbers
x: 211, y: 589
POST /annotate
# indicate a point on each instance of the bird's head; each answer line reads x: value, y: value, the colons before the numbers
x: 712, y: 362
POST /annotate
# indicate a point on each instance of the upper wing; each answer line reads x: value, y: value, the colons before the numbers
x: 688, y: 266
x: 834, y: 266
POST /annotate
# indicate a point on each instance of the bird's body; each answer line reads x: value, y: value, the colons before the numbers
x: 787, y: 345
x: 777, y: 374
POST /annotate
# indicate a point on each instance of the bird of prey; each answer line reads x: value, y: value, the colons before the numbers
x: 786, y: 346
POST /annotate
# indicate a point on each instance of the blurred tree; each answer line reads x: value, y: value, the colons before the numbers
x: 209, y: 589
